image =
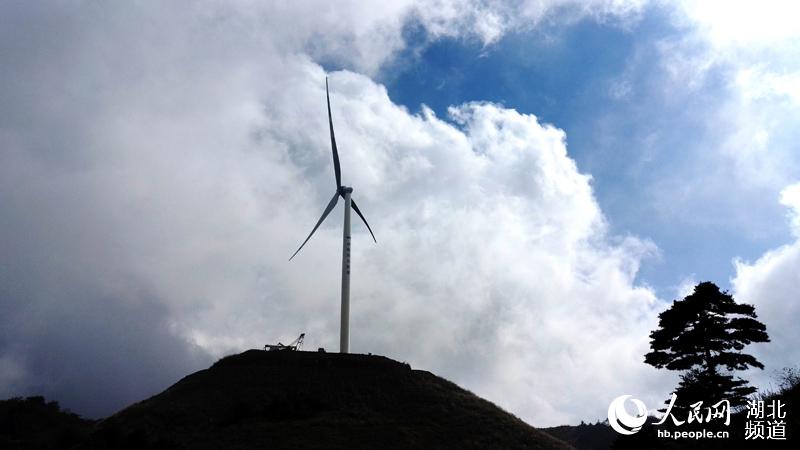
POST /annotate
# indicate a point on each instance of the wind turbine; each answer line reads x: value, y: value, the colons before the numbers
x: 345, y: 192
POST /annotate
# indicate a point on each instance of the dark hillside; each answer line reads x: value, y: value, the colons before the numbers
x: 586, y: 436
x: 34, y: 424
x: 309, y: 400
x: 789, y: 395
x: 600, y: 436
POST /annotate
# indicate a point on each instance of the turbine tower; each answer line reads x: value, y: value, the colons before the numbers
x: 346, y: 193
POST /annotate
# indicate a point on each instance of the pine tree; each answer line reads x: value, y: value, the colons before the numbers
x: 704, y: 335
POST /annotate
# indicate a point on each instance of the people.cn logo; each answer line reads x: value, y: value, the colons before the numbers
x: 621, y: 421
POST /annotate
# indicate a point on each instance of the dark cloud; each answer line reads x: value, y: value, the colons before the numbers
x: 157, y: 168
x: 98, y: 353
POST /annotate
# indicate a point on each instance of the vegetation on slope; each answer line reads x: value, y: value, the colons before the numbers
x: 31, y: 423
x: 308, y: 400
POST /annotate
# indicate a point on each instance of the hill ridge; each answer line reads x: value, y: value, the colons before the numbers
x: 305, y: 400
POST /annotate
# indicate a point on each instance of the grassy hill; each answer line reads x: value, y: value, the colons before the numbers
x: 310, y: 400
x: 34, y: 424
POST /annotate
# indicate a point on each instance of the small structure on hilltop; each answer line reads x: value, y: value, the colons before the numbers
x: 293, y: 346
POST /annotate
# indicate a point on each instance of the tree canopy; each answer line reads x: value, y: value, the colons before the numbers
x: 704, y: 335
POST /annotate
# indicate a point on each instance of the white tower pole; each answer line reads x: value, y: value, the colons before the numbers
x: 344, y: 336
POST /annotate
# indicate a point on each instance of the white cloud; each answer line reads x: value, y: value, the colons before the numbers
x: 790, y: 197
x: 685, y: 287
x: 489, y: 21
x: 162, y: 165
x: 715, y: 122
x: 749, y: 51
x: 744, y: 23
x: 770, y: 283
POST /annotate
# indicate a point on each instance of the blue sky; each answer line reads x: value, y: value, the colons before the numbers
x: 566, y: 75
x: 582, y: 164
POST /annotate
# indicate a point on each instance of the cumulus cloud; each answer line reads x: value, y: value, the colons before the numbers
x: 749, y: 51
x: 742, y: 23
x: 790, y: 197
x: 770, y: 283
x: 157, y: 168
x: 710, y: 96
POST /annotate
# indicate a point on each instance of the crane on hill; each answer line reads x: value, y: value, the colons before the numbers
x: 293, y: 346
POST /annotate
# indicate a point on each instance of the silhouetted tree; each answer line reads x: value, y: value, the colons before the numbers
x: 704, y: 335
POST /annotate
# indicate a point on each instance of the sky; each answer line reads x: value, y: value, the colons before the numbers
x: 543, y: 178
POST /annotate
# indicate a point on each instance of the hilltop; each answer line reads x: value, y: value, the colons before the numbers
x: 311, y: 400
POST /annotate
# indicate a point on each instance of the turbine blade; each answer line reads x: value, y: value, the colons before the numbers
x: 327, y: 211
x: 336, y: 169
x: 358, y: 211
